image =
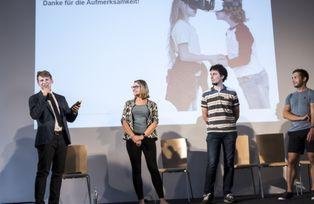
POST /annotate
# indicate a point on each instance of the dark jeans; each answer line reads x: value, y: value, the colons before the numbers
x: 148, y: 147
x: 214, y: 142
x: 53, y: 153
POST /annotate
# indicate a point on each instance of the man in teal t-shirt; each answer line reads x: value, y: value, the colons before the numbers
x: 299, y: 109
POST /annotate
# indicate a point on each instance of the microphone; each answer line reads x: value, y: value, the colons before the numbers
x: 49, y: 96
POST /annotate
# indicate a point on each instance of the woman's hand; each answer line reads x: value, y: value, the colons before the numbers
x: 139, y: 143
x: 137, y: 139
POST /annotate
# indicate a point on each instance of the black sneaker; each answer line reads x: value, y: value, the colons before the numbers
x: 286, y: 196
x: 229, y: 198
x: 208, y: 198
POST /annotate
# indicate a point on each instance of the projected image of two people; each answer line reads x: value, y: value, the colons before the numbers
x: 171, y: 45
x: 188, y: 76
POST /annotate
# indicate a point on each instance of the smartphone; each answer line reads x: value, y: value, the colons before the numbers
x: 77, y: 103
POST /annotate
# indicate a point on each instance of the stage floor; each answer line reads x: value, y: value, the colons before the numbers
x: 269, y: 199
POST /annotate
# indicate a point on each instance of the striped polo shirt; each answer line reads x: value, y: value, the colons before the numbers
x: 220, y: 106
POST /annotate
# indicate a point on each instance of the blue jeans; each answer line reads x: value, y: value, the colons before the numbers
x: 214, y: 142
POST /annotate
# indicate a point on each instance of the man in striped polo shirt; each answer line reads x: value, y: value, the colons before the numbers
x: 220, y: 111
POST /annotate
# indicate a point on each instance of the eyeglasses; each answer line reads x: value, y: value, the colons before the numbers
x: 135, y: 87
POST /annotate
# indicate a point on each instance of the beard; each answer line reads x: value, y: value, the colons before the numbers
x: 214, y: 83
x: 298, y: 85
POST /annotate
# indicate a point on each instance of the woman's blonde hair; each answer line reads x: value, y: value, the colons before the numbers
x: 144, y: 91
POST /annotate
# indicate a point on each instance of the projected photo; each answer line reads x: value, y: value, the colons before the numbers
x: 96, y: 49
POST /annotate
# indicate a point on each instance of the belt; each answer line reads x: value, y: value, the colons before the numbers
x: 58, y: 132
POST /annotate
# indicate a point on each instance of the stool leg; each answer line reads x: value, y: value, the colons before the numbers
x: 253, y: 181
x: 188, y: 173
x: 309, y: 175
x: 187, y: 185
x: 300, y: 177
x: 296, y: 182
x: 260, y: 181
x: 88, y: 188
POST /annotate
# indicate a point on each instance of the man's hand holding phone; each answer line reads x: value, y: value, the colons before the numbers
x: 76, y: 106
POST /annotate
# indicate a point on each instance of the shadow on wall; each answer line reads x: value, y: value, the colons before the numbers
x: 242, y: 179
x: 285, y: 126
x: 271, y: 150
x: 175, y: 184
x: 171, y: 155
x: 246, y: 129
x: 116, y: 184
x: 284, y: 129
x: 18, y: 175
x: 197, y: 165
x: 102, y: 171
x: 273, y: 179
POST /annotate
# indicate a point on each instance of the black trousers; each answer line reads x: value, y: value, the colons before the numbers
x: 50, y: 156
x: 148, y: 147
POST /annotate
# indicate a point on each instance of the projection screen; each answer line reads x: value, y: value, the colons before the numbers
x: 96, y: 49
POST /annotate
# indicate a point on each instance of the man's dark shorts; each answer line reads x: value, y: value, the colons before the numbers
x: 298, y: 143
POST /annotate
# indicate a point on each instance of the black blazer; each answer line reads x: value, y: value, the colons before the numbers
x: 41, y: 111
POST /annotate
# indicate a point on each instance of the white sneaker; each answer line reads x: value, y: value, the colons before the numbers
x: 229, y: 198
x: 207, y: 198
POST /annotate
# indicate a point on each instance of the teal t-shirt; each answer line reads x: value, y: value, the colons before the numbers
x: 300, y: 105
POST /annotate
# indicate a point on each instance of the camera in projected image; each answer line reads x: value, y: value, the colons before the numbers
x: 205, y: 5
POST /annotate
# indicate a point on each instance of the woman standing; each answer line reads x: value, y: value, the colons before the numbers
x: 187, y: 74
x: 139, y: 122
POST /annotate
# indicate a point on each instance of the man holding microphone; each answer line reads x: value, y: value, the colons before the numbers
x: 51, y: 111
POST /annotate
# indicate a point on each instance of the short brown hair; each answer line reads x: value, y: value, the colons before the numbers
x: 44, y: 73
x: 303, y: 73
x: 221, y: 70
x: 234, y: 9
